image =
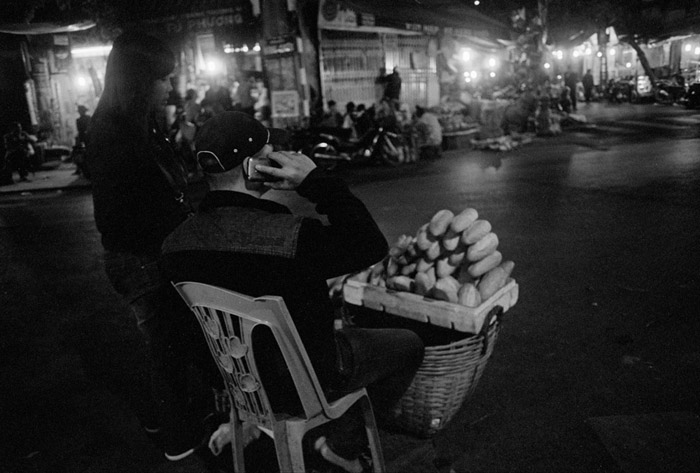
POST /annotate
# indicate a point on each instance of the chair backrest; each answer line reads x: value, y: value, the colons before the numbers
x: 227, y: 319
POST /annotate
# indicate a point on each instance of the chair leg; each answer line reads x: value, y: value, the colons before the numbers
x: 237, y: 445
x: 375, y: 445
x: 289, y: 446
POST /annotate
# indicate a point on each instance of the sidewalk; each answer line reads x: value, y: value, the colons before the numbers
x: 51, y: 176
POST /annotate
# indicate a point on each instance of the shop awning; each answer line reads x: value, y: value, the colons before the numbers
x: 44, y: 28
x: 442, y: 13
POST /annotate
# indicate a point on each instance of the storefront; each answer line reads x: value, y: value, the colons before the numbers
x: 353, y: 47
x: 426, y: 45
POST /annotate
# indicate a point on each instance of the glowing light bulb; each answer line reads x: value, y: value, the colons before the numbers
x: 81, y: 82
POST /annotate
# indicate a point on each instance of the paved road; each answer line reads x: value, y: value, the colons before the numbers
x: 602, y: 225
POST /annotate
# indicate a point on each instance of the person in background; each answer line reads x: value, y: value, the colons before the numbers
x: 261, y: 95
x: 18, y: 147
x: 81, y: 124
x: 393, y: 87
x: 139, y: 196
x: 380, y: 85
x: 332, y: 117
x: 364, y: 121
x: 571, y: 81
x: 190, y: 107
x: 429, y: 134
x: 349, y: 120
x: 587, y: 85
x: 565, y: 99
x: 245, y: 102
x: 386, y: 116
x: 255, y: 246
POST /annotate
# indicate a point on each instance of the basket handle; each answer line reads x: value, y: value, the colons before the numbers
x: 494, y: 316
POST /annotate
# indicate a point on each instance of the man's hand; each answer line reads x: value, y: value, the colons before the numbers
x: 294, y: 167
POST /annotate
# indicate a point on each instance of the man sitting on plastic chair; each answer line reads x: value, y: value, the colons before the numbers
x: 254, y: 246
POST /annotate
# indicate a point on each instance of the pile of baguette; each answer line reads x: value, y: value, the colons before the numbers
x: 453, y: 258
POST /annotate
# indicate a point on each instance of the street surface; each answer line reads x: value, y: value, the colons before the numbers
x: 602, y: 223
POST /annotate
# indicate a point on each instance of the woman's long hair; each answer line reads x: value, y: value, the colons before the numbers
x: 136, y: 61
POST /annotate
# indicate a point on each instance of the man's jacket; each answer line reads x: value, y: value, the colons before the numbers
x: 258, y: 247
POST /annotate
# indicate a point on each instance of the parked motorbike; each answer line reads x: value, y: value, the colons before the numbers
x: 692, y: 96
x: 618, y: 90
x: 669, y: 91
x: 328, y: 150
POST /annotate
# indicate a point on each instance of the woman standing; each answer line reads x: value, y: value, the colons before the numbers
x: 138, y: 196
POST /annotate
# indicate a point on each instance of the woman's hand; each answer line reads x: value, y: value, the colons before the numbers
x: 294, y: 167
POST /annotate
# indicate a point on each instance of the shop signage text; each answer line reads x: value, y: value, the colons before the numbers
x: 202, y: 21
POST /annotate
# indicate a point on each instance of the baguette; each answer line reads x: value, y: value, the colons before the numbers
x: 485, y: 265
x: 446, y: 289
x: 495, y: 279
x: 440, y: 222
x: 444, y: 268
x: 400, y: 283
x: 463, y: 220
x: 476, y: 231
x: 468, y: 295
x: 423, y: 284
x: 482, y: 248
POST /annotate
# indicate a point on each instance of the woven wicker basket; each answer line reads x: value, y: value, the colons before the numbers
x: 448, y: 376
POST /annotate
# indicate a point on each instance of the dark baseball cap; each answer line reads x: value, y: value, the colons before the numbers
x: 226, y: 139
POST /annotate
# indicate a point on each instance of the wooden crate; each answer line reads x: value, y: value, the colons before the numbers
x: 431, y: 311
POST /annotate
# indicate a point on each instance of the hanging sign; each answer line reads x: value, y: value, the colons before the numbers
x: 333, y: 13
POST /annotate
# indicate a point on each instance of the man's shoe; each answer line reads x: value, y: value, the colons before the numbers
x: 190, y: 463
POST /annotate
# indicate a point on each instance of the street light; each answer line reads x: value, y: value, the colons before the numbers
x: 82, y: 82
x: 214, y: 66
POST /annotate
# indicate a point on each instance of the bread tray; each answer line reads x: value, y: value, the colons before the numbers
x: 431, y: 311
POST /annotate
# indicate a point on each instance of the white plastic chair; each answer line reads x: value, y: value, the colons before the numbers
x: 228, y: 319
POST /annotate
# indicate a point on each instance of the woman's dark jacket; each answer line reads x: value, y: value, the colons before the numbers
x: 134, y: 204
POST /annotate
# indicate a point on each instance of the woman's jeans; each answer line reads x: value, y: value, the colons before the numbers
x: 174, y: 339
